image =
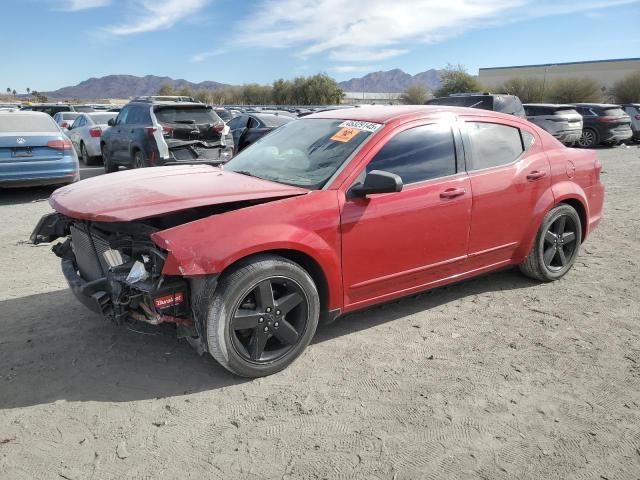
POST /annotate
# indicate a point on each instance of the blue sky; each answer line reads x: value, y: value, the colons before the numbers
x: 48, y: 44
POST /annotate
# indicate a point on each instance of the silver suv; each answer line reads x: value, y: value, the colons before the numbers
x: 561, y: 121
x: 633, y: 110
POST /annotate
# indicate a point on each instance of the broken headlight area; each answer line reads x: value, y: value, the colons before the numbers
x: 119, y: 274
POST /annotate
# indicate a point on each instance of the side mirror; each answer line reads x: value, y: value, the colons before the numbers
x: 378, y: 181
x: 111, y: 122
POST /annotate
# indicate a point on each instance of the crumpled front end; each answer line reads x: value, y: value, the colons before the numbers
x: 116, y: 270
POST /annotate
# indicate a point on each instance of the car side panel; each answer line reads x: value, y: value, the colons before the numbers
x: 307, y: 223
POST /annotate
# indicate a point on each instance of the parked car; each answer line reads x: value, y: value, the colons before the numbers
x: 561, y: 121
x: 65, y: 119
x: 326, y: 215
x: 510, y: 104
x: 150, y: 132
x: 633, y: 110
x: 224, y: 114
x: 246, y: 128
x: 53, y: 108
x: 603, y: 124
x: 85, y: 134
x: 34, y: 151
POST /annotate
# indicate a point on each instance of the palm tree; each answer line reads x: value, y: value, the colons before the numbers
x: 28, y: 90
x: 14, y: 93
x: 8, y: 90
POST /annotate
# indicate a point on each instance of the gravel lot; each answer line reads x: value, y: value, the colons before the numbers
x: 497, y: 377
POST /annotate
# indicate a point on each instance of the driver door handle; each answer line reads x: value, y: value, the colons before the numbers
x: 452, y: 192
x: 536, y: 175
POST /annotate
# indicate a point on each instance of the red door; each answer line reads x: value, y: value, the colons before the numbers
x: 397, y: 243
x: 509, y: 173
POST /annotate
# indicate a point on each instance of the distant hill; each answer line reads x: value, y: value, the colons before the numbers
x: 394, y: 80
x: 125, y: 86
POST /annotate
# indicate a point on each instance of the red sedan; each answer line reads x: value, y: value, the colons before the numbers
x: 328, y: 214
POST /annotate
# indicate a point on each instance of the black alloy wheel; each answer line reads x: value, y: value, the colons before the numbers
x: 138, y: 160
x: 269, y: 321
x: 589, y: 138
x: 560, y: 243
x: 109, y: 167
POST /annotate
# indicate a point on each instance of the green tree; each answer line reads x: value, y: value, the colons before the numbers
x: 455, y: 79
x: 28, y: 90
x: 627, y: 90
x: 14, y: 92
x: 415, y: 95
x: 282, y: 90
x: 8, y: 90
x: 529, y: 90
x: 166, y: 89
x: 573, y: 90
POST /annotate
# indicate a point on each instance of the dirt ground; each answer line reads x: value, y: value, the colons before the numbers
x: 495, y: 378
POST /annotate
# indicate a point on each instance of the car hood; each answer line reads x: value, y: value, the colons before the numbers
x: 151, y: 192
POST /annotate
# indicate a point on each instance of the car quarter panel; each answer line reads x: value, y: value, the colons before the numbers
x: 308, y: 224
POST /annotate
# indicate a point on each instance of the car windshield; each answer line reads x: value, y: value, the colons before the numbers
x: 303, y: 153
x: 186, y: 115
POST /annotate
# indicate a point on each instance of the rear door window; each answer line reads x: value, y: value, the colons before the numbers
x: 418, y: 154
x: 492, y: 145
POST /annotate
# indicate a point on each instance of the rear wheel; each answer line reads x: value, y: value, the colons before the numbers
x: 138, y: 159
x: 86, y: 158
x: 109, y: 166
x: 556, y: 246
x: 589, y: 138
x: 261, y: 316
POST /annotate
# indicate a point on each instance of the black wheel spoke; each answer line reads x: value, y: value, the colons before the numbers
x: 257, y: 344
x: 560, y: 225
x: 569, y: 237
x: 549, y: 253
x: 562, y: 257
x: 550, y: 237
x: 286, y: 333
x: 287, y: 303
x: 245, y: 319
x: 264, y: 295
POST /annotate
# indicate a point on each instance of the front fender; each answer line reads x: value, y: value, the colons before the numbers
x: 308, y: 224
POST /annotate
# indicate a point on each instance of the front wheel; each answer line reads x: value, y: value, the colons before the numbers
x: 556, y: 245
x: 261, y: 316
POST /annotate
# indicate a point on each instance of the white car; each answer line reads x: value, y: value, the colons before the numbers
x: 561, y: 121
x: 85, y: 134
x: 65, y: 119
x: 633, y: 110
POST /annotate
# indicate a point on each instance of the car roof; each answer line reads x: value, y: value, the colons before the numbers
x: 387, y: 114
x: 551, y: 105
x: 24, y: 113
x: 599, y: 105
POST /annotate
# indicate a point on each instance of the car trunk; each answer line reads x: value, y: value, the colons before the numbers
x: 616, y: 118
x: 15, y: 148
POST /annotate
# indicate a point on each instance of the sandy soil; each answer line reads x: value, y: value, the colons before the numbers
x: 498, y: 377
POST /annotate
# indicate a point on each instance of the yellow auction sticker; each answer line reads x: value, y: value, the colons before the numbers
x: 345, y: 134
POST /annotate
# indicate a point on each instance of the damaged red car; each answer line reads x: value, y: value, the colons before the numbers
x: 326, y: 215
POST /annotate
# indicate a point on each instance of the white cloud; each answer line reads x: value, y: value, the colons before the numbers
x: 379, y: 29
x: 202, y: 56
x: 77, y: 5
x: 352, y: 68
x: 364, y: 54
x: 150, y: 15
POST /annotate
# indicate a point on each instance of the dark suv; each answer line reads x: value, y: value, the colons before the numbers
x: 603, y: 123
x: 149, y: 132
x: 496, y: 102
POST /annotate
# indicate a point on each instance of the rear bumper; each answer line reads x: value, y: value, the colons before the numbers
x: 617, y: 136
x: 595, y: 197
x: 40, y: 172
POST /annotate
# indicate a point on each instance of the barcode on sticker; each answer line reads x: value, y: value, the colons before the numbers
x: 366, y: 126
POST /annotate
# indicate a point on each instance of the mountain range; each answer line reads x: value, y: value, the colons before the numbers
x: 125, y: 86
x: 394, y: 80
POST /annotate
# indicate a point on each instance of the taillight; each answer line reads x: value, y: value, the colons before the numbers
x: 95, y: 132
x: 167, y: 131
x: 150, y: 131
x: 218, y: 127
x: 65, y: 125
x: 60, y: 144
x: 608, y: 119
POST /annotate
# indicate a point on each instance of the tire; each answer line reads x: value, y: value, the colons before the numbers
x: 589, y: 138
x: 84, y: 155
x: 556, y: 245
x: 278, y: 318
x: 109, y: 167
x: 138, y: 160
